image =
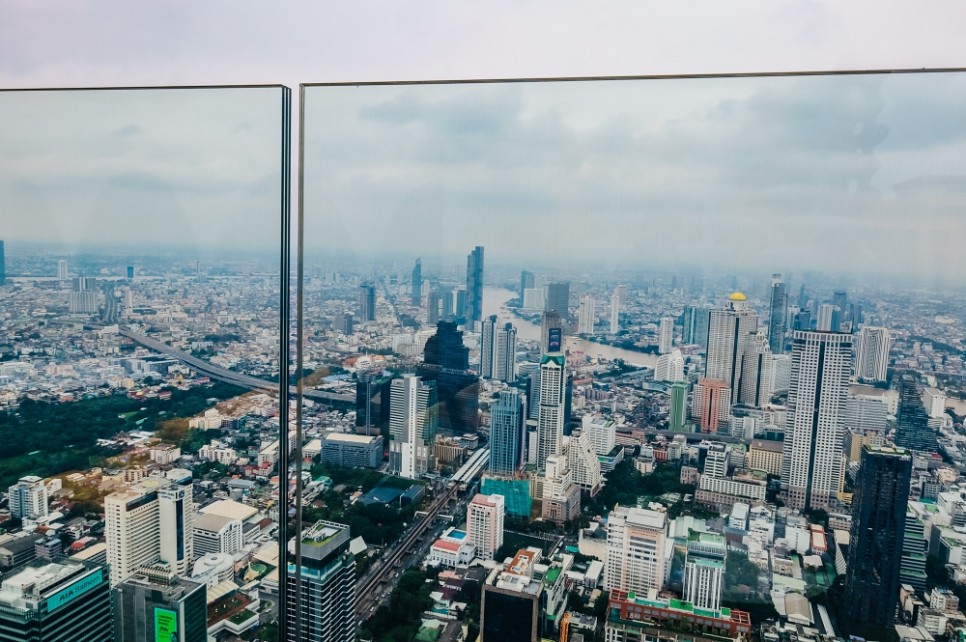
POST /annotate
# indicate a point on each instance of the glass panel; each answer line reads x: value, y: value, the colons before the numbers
x: 144, y: 238
x: 649, y: 328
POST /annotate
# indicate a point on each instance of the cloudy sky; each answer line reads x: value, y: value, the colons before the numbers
x: 869, y: 170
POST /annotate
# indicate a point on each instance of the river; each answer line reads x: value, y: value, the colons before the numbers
x: 494, y: 302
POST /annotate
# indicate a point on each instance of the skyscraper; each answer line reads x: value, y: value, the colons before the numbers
x: 434, y: 302
x: 704, y: 566
x: 776, y: 315
x: 412, y: 426
x: 59, y: 601
x: 711, y: 404
x: 372, y: 403
x: 615, y: 313
x: 484, y: 524
x: 550, y: 411
x: 558, y: 299
x: 150, y: 524
x: 665, y: 335
x: 912, y: 420
x: 62, y: 270
x: 826, y: 318
x: 872, y: 346
x: 473, y: 311
x: 876, y: 537
x: 328, y: 586
x: 695, y: 330
x: 507, y: 427
x: 670, y: 367
x: 729, y: 328
x: 83, y: 295
x: 498, y: 351
x: 677, y: 414
x: 585, y: 315
x: 813, y: 466
x: 635, y: 550
x: 551, y: 332
x: 367, y: 302
x: 527, y: 281
x: 446, y: 362
x: 148, y: 610
x: 417, y: 283
x: 756, y: 363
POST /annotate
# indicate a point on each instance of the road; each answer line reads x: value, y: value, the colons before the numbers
x: 697, y: 436
x: 226, y: 375
x: 367, y: 594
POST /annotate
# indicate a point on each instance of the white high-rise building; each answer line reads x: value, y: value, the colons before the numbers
x: 872, y: 347
x: 813, y: 463
x: 550, y: 407
x: 934, y: 401
x: 602, y: 432
x: 561, y: 494
x: 635, y: 550
x: 217, y: 534
x: 413, y: 421
x: 28, y: 498
x: 670, y: 367
x: 498, y: 351
x: 83, y: 296
x: 148, y: 523
x: 756, y: 363
x: 665, y: 335
x: 586, y: 315
x: 582, y: 459
x: 717, y: 461
x: 484, y: 524
x: 826, y: 317
x: 615, y: 312
x: 62, y: 269
x: 729, y: 329
x: 704, y: 568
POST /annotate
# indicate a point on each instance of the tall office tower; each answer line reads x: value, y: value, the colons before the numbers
x: 585, y: 315
x: 434, y: 303
x: 561, y: 495
x: 60, y: 601
x: 635, y: 550
x: 912, y: 421
x: 756, y: 364
x: 825, y: 321
x: 83, y: 295
x: 527, y: 281
x: 729, y: 328
x: 582, y: 460
x: 704, y: 566
x: 446, y: 362
x: 145, y: 609
x: 372, y: 403
x: 678, y: 405
x: 669, y: 366
x: 551, y: 332
x: 150, y: 524
x: 473, y: 312
x: 62, y: 270
x: 129, y: 272
x: 417, y: 284
x: 484, y: 524
x: 550, y: 407
x: 343, y: 323
x: 841, y: 301
x: 872, y: 346
x: 876, y: 537
x: 558, y: 299
x: 776, y: 315
x: 711, y: 404
x: 367, y: 302
x: 3, y: 265
x: 27, y: 499
x: 412, y: 426
x: 508, y: 418
x: 802, y: 320
x: 695, y: 331
x: 615, y: 313
x: 498, y: 351
x: 802, y: 297
x: 665, y: 335
x: 621, y: 291
x: 328, y: 586
x: 813, y: 464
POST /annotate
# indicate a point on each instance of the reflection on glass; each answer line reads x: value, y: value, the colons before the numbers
x: 631, y: 358
x: 140, y: 305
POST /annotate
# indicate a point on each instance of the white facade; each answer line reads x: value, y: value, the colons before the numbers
x: 813, y: 462
x: 872, y: 345
x: 582, y: 459
x: 602, y: 432
x: 825, y: 317
x: 586, y: 315
x: 704, y: 570
x: 665, y: 335
x: 27, y: 499
x: 412, y: 426
x: 670, y: 367
x: 756, y: 364
x: 717, y: 461
x: 217, y: 534
x: 934, y: 401
x: 615, y: 312
x: 635, y: 550
x: 728, y: 330
x: 498, y: 350
x: 484, y: 524
x: 550, y: 407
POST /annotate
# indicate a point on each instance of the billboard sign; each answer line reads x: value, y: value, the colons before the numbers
x: 165, y: 625
x: 554, y: 339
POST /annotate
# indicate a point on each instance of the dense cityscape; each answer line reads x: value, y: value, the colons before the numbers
x: 488, y: 451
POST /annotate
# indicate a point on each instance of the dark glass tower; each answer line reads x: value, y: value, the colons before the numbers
x: 372, y: 404
x: 558, y: 299
x: 367, y: 302
x: 912, y: 422
x: 473, y: 310
x: 876, y: 539
x: 148, y: 610
x: 527, y: 281
x: 417, y: 283
x: 446, y: 361
x: 507, y: 428
x: 776, y: 317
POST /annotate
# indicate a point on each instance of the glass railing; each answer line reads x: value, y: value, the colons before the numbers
x: 143, y: 287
